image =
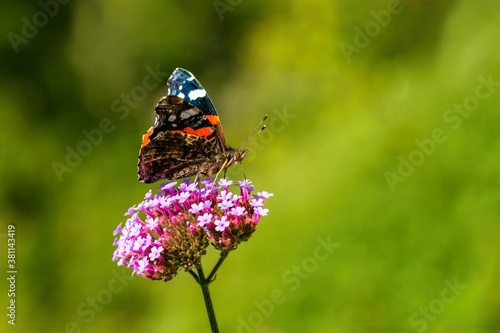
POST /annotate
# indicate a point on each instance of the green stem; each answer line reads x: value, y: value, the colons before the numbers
x: 223, y: 256
x: 193, y: 274
x: 203, y: 282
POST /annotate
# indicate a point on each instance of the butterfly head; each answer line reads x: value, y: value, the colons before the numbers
x: 235, y: 156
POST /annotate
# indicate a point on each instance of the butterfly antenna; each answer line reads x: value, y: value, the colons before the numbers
x: 259, y: 128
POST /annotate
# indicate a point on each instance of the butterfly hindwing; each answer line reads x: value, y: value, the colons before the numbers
x: 173, y: 155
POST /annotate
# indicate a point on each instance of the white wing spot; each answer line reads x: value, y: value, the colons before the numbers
x: 187, y: 113
x: 181, y: 95
x: 172, y: 117
x: 194, y: 94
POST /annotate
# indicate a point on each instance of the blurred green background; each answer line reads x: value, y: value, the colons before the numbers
x: 382, y: 139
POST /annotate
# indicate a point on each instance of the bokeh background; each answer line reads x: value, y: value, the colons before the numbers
x: 382, y: 141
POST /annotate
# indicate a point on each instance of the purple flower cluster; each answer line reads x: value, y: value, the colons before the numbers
x: 172, y: 229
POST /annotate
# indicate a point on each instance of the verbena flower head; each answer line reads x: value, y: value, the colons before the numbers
x: 172, y: 229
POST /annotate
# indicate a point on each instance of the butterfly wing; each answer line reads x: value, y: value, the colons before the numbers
x: 186, y: 138
x: 174, y: 155
x: 184, y: 85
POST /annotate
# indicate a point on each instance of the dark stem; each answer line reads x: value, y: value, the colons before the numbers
x: 196, y: 278
x: 203, y: 282
x: 223, y: 256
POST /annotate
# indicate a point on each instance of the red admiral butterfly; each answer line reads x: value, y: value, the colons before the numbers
x: 187, y: 137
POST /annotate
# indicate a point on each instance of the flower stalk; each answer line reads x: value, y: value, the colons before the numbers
x: 204, y: 282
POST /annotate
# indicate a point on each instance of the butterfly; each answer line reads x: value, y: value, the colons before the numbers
x: 187, y: 138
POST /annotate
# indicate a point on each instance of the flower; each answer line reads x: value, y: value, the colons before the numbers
x: 171, y: 229
x: 222, y: 224
x: 204, y: 219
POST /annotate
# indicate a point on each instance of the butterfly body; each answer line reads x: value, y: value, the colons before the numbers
x: 187, y: 138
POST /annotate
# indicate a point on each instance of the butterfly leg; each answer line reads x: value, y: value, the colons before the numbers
x: 223, y: 167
